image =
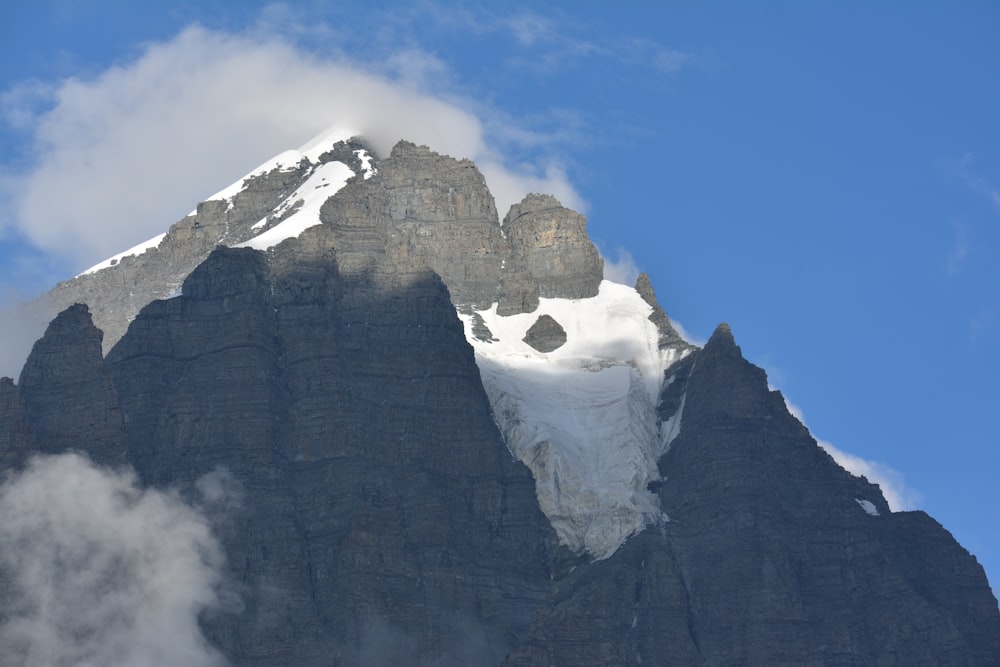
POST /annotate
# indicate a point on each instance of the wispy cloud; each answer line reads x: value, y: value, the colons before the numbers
x: 103, y: 572
x: 118, y: 155
x: 984, y: 322
x: 622, y: 268
x: 899, y: 496
x: 529, y: 28
x: 976, y: 182
x: 548, y: 42
x: 21, y: 104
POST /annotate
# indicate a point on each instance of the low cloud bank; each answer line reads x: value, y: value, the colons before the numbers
x: 98, y: 571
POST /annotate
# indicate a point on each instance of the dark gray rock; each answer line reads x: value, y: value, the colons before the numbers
x: 783, y: 565
x: 115, y: 295
x: 384, y: 521
x: 480, y: 330
x: 518, y: 287
x: 17, y: 440
x: 422, y: 209
x: 348, y: 153
x: 767, y: 558
x: 546, y: 334
x: 68, y: 396
x: 669, y: 338
x: 551, y: 242
x: 382, y: 501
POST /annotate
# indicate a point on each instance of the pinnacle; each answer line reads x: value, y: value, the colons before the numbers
x: 722, y: 338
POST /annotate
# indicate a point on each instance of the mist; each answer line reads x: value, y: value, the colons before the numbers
x: 99, y: 571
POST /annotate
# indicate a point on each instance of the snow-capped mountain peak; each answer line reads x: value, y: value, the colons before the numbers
x: 573, y: 366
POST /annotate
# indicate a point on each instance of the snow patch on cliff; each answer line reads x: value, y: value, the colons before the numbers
x: 583, y: 417
x: 323, y: 182
x: 868, y: 506
x: 286, y: 161
x: 134, y: 250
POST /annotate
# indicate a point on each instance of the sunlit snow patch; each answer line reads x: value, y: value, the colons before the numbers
x: 134, y: 250
x: 583, y: 417
x: 322, y: 183
x: 286, y: 161
x: 366, y: 164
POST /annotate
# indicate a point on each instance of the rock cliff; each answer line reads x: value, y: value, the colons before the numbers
x: 454, y: 444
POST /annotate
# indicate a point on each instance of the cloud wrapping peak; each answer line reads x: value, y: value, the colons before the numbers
x: 120, y: 157
x: 102, y: 572
x: 622, y: 268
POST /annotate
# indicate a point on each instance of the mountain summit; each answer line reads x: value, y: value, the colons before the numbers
x: 450, y: 441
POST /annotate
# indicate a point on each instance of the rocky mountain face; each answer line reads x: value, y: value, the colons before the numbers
x: 399, y: 393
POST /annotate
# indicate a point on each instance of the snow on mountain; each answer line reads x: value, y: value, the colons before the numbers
x: 134, y: 250
x: 583, y: 417
x: 286, y: 161
x: 306, y: 201
x: 868, y: 506
x: 301, y: 207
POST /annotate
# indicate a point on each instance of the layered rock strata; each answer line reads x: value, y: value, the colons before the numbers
x: 382, y: 518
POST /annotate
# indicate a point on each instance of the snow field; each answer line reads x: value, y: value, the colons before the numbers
x: 583, y: 417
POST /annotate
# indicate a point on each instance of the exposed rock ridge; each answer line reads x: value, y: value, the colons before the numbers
x: 116, y: 294
x: 385, y: 521
x: 551, y: 242
x: 381, y: 500
x: 546, y: 334
x: 669, y: 338
x: 767, y: 558
x: 429, y: 208
x: 68, y: 395
x: 416, y: 207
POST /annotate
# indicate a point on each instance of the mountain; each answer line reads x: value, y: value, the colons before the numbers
x: 420, y: 436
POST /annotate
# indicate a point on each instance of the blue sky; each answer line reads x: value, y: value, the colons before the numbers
x: 824, y: 176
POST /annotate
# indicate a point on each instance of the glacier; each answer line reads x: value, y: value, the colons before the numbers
x: 583, y: 417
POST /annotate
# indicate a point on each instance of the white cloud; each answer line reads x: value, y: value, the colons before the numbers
x: 899, y: 496
x: 20, y: 103
x: 622, y: 269
x: 103, y: 572
x: 121, y: 156
x: 528, y: 28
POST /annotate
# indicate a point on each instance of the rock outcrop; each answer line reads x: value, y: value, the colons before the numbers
x: 546, y: 334
x: 116, y: 294
x: 768, y: 557
x: 67, y: 393
x: 551, y: 242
